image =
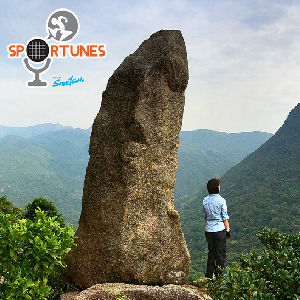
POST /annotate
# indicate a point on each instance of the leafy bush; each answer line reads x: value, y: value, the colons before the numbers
x: 118, y: 295
x: 8, y: 208
x: 32, y: 255
x: 273, y: 273
x: 43, y: 204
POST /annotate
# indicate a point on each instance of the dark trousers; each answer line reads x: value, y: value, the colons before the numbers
x: 216, y: 253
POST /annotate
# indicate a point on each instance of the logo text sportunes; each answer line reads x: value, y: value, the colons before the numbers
x: 63, y: 51
x: 62, y: 26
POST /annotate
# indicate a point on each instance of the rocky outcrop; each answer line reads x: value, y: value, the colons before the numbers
x: 129, y: 230
x: 138, y: 292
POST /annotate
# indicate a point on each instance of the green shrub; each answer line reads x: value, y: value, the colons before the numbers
x: 32, y: 255
x: 47, y: 206
x: 118, y: 295
x: 8, y: 208
x: 273, y: 273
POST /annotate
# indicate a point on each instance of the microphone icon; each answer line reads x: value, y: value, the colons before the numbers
x: 37, y: 51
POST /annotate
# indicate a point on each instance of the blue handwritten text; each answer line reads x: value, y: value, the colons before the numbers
x: 69, y: 82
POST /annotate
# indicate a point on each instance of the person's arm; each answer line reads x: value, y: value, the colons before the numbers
x: 228, y: 233
x: 225, y: 216
x: 226, y: 223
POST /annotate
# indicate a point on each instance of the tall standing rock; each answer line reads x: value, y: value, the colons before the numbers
x: 129, y: 230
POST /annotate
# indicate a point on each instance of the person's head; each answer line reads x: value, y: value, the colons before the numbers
x: 213, y: 186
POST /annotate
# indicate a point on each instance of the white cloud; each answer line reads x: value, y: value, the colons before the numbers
x: 245, y: 78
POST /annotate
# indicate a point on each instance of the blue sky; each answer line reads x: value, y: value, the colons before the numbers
x: 244, y: 60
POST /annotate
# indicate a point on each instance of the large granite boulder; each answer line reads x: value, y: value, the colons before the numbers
x: 110, y: 291
x: 129, y: 230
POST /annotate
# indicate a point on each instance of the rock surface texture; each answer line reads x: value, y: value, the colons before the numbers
x: 129, y: 230
x: 138, y: 292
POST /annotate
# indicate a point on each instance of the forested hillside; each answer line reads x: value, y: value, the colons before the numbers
x: 205, y: 153
x: 262, y: 190
x: 51, y: 166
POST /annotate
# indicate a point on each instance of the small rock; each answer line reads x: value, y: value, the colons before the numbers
x: 109, y: 291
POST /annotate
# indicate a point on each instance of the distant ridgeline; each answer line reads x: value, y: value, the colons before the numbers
x: 263, y: 190
x: 30, y: 130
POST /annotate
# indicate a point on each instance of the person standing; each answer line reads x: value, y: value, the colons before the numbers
x: 216, y: 229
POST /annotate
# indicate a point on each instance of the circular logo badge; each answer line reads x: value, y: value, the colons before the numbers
x: 62, y: 25
x: 37, y: 50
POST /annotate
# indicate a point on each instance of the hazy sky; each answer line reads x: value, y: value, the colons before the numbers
x: 244, y: 59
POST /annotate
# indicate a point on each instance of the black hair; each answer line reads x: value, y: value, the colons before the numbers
x: 213, y: 186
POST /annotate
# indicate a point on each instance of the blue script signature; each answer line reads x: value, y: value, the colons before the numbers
x: 69, y: 82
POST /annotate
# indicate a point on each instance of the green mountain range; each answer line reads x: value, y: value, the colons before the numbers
x: 204, y: 154
x: 263, y: 190
x: 30, y: 130
x: 52, y: 165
